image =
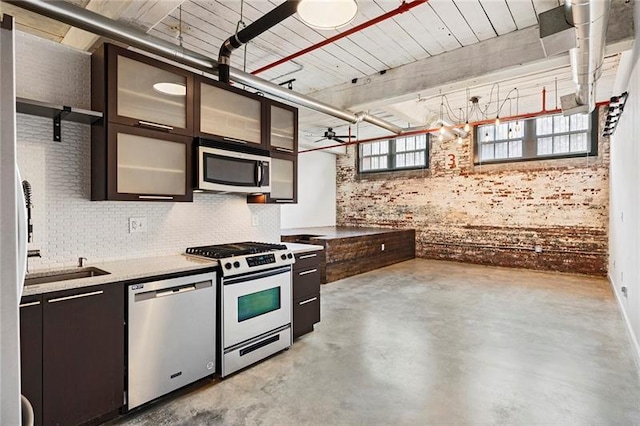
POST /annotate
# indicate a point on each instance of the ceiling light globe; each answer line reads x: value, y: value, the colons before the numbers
x: 327, y: 14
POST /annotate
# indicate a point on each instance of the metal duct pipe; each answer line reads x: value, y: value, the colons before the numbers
x: 105, y: 27
x: 257, y: 27
x: 590, y: 18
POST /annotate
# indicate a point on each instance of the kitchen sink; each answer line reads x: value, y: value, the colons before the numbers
x: 67, y: 274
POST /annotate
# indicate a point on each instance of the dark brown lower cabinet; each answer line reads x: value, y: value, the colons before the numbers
x: 306, y: 293
x: 83, y: 354
x: 31, y: 353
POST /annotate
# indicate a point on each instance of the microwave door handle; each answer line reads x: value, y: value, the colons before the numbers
x: 259, y: 173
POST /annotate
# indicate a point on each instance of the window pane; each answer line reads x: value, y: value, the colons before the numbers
x: 366, y: 149
x: 502, y: 132
x: 516, y: 129
x: 421, y: 158
x: 561, y: 144
x: 400, y: 160
x: 384, y: 147
x: 400, y: 145
x: 366, y: 164
x: 375, y: 162
x: 545, y: 146
x: 421, y: 142
x: 383, y: 162
x: 487, y: 152
x: 515, y: 149
x: 544, y: 125
x: 560, y: 124
x: 578, y: 142
x: 375, y: 148
x: 502, y: 150
x: 411, y: 144
x: 488, y: 133
x: 579, y: 122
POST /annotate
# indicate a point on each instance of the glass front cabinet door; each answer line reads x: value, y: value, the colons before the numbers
x: 144, y: 165
x: 284, y: 181
x: 144, y: 92
x: 283, y: 128
x: 228, y: 113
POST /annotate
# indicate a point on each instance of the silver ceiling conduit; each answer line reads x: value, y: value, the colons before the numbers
x: 100, y: 25
x: 590, y: 19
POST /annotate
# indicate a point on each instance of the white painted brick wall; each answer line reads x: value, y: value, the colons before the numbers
x: 67, y: 224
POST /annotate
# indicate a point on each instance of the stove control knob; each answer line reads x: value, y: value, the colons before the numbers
x: 289, y: 255
x: 227, y: 265
x: 283, y: 257
x: 236, y: 264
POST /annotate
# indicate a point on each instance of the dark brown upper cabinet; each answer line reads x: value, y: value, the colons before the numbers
x: 284, y: 181
x: 227, y: 113
x: 135, y: 90
x: 141, y: 150
x: 283, y: 127
x: 139, y: 164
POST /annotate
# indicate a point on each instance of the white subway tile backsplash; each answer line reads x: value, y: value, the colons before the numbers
x: 67, y: 224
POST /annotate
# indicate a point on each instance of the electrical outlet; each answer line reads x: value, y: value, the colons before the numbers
x: 137, y: 224
x: 382, y: 247
x: 254, y: 220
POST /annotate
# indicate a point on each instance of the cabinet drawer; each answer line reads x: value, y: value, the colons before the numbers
x: 306, y: 313
x: 307, y: 260
x: 306, y: 282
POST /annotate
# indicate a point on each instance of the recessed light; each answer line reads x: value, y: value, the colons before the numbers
x: 172, y: 89
x: 327, y: 14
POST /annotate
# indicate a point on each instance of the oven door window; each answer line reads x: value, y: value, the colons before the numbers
x: 229, y: 170
x: 259, y: 303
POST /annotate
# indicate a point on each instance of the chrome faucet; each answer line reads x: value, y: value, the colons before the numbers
x: 81, y: 262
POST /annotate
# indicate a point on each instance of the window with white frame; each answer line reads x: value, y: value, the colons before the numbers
x: 405, y: 153
x: 551, y: 136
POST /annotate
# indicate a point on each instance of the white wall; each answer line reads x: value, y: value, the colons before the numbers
x: 316, y: 192
x: 66, y: 224
x: 624, y: 230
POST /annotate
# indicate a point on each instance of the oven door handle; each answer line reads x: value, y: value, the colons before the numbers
x: 257, y: 275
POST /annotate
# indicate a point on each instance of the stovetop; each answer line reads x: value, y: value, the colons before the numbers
x: 221, y: 251
x: 245, y: 257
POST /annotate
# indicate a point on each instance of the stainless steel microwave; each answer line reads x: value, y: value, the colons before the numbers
x: 224, y: 167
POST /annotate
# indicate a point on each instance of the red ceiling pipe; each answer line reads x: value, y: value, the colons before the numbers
x: 435, y: 129
x: 401, y: 9
x: 544, y: 99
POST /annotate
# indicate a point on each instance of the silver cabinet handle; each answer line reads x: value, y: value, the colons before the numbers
x: 310, y: 271
x: 304, y: 302
x: 308, y: 256
x: 155, y: 125
x: 284, y: 201
x: 76, y: 296
x: 26, y: 305
x: 234, y: 140
x: 154, y: 197
x: 284, y: 149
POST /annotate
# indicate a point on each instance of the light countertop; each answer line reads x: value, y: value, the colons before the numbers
x: 134, y: 269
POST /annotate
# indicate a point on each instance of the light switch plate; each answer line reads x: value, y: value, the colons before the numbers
x: 254, y: 220
x: 137, y: 224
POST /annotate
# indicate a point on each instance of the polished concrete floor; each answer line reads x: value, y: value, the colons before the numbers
x: 428, y: 342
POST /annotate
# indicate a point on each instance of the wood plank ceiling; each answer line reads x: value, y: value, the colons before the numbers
x: 429, y: 29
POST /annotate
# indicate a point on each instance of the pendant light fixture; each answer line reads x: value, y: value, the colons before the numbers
x: 172, y: 88
x: 327, y: 14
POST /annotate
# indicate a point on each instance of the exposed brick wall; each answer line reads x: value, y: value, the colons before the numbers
x: 489, y: 214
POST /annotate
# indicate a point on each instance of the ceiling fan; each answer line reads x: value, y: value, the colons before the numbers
x: 331, y: 136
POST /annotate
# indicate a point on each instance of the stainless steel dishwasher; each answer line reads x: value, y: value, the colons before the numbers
x: 172, y: 326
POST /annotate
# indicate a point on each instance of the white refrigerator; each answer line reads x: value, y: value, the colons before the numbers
x: 13, y: 234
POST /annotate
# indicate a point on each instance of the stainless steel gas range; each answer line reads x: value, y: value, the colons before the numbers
x: 255, y: 301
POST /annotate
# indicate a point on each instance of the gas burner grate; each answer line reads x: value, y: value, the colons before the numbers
x: 220, y: 251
